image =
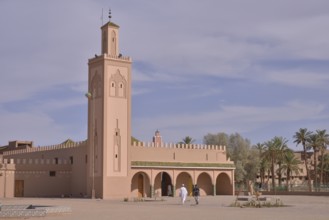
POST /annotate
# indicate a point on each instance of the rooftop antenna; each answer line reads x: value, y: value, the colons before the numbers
x: 110, y: 16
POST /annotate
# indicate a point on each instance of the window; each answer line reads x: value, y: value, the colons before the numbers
x: 56, y: 160
x: 71, y: 159
x: 52, y: 173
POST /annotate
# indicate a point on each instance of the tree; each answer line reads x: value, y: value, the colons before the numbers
x: 283, y: 150
x: 302, y: 137
x: 273, y: 151
x: 323, y: 139
x: 133, y: 139
x: 187, y: 140
x: 239, y: 174
x: 220, y: 139
x: 239, y: 150
x: 314, y: 143
x: 262, y: 163
x: 251, y: 166
x: 325, y: 164
x: 290, y: 165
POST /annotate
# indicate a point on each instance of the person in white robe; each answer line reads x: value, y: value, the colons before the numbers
x: 183, y: 193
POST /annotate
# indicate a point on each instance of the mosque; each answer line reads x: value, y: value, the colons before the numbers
x: 108, y: 164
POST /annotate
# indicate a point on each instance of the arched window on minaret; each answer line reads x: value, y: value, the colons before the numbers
x: 112, y: 88
x: 121, y: 90
x: 118, y: 85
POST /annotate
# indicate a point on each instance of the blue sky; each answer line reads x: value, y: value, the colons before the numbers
x: 256, y: 67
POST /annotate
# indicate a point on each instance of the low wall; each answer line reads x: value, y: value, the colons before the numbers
x: 296, y: 193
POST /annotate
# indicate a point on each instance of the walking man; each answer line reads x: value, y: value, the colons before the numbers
x: 183, y: 193
x: 196, y: 193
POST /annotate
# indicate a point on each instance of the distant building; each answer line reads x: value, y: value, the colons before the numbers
x: 108, y: 165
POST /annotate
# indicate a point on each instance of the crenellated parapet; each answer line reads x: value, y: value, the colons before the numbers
x: 114, y: 57
x: 179, y: 146
x: 120, y: 57
x: 181, y: 153
x: 45, y: 148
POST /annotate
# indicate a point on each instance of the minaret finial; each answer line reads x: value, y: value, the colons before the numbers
x: 110, y: 15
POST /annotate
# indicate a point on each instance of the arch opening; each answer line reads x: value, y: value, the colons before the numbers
x: 140, y: 185
x: 223, y: 185
x: 163, y: 185
x: 205, y: 184
x: 186, y: 179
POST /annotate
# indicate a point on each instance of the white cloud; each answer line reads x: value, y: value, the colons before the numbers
x: 298, y: 78
x: 33, y: 126
x: 230, y: 119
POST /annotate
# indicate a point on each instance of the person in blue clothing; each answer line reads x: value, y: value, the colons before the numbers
x: 196, y: 193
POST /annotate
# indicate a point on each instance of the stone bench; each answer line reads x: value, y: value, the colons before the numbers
x: 249, y: 198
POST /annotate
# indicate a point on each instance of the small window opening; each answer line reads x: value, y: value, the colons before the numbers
x: 52, y: 173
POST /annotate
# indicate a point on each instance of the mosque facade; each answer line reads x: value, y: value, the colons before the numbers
x: 108, y: 165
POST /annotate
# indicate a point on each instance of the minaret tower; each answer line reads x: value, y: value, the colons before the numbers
x: 109, y: 117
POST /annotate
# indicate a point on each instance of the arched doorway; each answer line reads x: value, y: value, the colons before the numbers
x: 140, y: 185
x: 163, y: 185
x: 223, y: 185
x: 186, y: 179
x: 205, y: 184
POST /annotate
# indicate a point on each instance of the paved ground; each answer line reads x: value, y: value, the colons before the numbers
x: 210, y: 208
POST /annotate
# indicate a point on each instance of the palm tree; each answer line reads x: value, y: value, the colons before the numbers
x: 302, y: 137
x: 270, y: 156
x: 273, y: 151
x: 323, y: 139
x: 314, y: 143
x: 290, y: 165
x: 262, y: 168
x: 325, y: 165
x: 187, y: 140
x: 283, y: 150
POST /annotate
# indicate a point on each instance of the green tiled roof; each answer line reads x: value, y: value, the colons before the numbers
x: 179, y: 164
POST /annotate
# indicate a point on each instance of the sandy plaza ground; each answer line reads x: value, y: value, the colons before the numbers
x: 218, y: 207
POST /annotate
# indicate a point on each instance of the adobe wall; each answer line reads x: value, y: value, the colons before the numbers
x: 52, y: 170
x: 44, y: 178
x: 193, y: 153
x: 7, y: 178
